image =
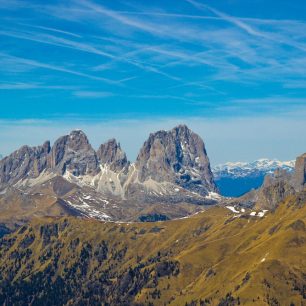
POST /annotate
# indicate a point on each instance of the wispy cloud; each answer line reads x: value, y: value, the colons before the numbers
x: 272, y: 101
x: 12, y: 4
x: 37, y: 64
x: 220, y: 45
x: 228, y: 18
x: 92, y: 94
x: 27, y: 86
x: 275, y: 104
x: 89, y: 48
x: 162, y: 97
x: 52, y: 30
x: 57, y: 41
x: 192, y: 55
x: 247, y: 28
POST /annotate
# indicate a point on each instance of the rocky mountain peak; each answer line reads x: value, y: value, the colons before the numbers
x: 26, y: 162
x: 177, y: 156
x: 182, y: 130
x: 74, y: 153
x: 78, y: 141
x: 110, y: 153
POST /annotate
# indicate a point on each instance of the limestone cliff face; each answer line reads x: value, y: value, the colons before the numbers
x: 111, y: 154
x: 299, y: 178
x: 73, y: 153
x: 177, y: 156
x: 26, y: 162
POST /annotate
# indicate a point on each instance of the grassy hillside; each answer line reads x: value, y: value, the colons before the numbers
x: 212, y: 258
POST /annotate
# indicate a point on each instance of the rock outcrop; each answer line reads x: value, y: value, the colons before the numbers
x: 278, y: 186
x: 73, y: 153
x: 275, y: 188
x: 111, y: 154
x: 27, y: 162
x: 177, y: 156
x: 299, y: 178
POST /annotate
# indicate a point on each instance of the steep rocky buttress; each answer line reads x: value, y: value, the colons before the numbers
x: 73, y: 153
x: 300, y: 172
x: 177, y: 156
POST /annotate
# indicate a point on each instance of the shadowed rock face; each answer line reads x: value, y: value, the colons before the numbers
x: 177, y: 156
x: 73, y: 153
x: 110, y: 153
x: 300, y: 172
x: 26, y: 162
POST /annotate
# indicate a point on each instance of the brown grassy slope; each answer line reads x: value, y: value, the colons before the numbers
x: 19, y: 208
x: 211, y: 258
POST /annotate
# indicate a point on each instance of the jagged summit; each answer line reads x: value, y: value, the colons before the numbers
x: 73, y: 153
x: 178, y: 156
x: 110, y: 153
x: 172, y: 167
x: 23, y: 163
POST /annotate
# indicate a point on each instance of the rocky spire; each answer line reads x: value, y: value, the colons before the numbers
x: 110, y: 153
x: 74, y: 153
x: 299, y: 177
x: 177, y: 156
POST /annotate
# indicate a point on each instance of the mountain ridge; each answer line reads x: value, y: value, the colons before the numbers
x: 75, y: 242
x: 171, y: 168
x: 241, y: 169
x: 162, y: 158
x: 171, y: 173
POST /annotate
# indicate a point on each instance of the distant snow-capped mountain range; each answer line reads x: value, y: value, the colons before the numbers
x: 236, y: 178
x: 255, y: 168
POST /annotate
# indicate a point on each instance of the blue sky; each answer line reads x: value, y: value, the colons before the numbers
x: 233, y: 70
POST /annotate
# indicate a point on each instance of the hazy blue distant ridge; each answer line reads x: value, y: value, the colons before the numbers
x: 236, y: 178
